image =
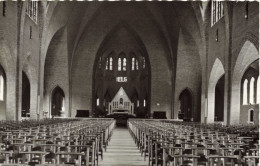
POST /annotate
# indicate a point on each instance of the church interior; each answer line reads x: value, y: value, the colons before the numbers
x: 129, y: 83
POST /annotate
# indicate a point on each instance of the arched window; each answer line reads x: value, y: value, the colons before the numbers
x: 99, y: 63
x: 111, y: 64
x: 245, y: 101
x: 97, y: 101
x: 136, y: 64
x: 107, y: 64
x: 251, y: 92
x: 121, y: 101
x: 32, y: 10
x: 1, y: 88
x: 246, y: 10
x: 217, y: 11
x: 143, y: 63
x: 258, y: 91
x: 137, y: 103
x: 124, y: 64
x: 119, y: 64
x: 133, y: 64
x: 144, y: 103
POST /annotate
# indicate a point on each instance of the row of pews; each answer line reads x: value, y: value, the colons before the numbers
x: 184, y: 143
x: 54, y: 142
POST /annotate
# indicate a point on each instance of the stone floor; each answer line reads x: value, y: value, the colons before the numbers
x: 122, y: 151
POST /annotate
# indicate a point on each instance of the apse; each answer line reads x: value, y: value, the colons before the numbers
x: 121, y: 67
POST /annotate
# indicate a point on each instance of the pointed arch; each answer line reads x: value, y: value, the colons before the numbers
x: 136, y: 64
x: 252, y: 91
x: 107, y: 64
x: 124, y: 64
x: 247, y: 55
x: 119, y: 64
x: 132, y: 57
x: 186, y: 104
x: 143, y: 63
x: 216, y: 73
x: 98, y: 102
x: 110, y: 63
x: 57, y: 102
x: 100, y: 63
x: 245, y: 92
x: 219, y: 100
x: 26, y: 95
x: 133, y: 64
x: 122, y: 61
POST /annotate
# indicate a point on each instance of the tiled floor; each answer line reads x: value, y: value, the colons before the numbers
x: 122, y: 151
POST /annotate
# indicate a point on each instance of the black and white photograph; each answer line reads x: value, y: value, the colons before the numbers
x: 129, y: 83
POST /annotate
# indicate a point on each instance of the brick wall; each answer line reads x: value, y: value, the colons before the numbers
x: 29, y: 60
x: 56, y: 69
x: 8, y: 54
x: 244, y: 30
x: 88, y: 24
x: 188, y: 74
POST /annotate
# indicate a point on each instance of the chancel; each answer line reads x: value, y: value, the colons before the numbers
x: 129, y: 83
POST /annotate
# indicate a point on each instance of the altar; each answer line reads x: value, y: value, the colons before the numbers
x: 121, y: 104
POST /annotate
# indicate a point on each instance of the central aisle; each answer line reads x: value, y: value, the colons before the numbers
x: 122, y: 151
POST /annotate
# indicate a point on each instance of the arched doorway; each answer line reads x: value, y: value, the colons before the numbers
x: 185, y: 100
x: 2, y: 94
x: 26, y: 96
x: 219, y: 100
x: 58, y: 103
